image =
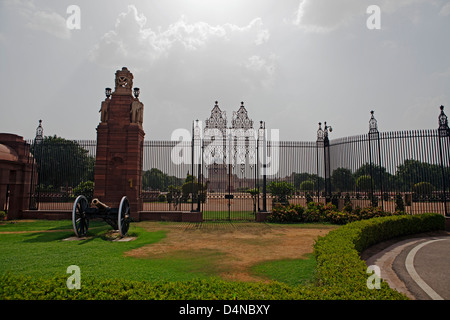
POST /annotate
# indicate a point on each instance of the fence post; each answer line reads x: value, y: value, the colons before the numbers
x: 327, y: 163
x: 192, y: 169
x: 263, y: 134
x: 38, y: 145
x: 375, y: 134
x: 319, y: 144
x: 444, y: 134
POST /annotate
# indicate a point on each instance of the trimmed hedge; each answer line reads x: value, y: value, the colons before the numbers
x: 319, y: 212
x: 339, y: 265
x: 20, y: 287
x: 341, y: 273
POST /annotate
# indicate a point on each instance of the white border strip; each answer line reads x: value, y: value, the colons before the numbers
x: 409, y: 264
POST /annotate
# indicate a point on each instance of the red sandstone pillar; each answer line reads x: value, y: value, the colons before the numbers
x: 16, y: 169
x: 120, y: 139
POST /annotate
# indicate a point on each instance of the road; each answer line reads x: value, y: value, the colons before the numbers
x: 417, y: 267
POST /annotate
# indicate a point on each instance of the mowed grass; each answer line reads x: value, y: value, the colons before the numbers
x: 232, y: 215
x: 46, y: 253
x: 292, y: 271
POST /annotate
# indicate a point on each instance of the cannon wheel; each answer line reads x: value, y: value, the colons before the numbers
x: 79, y: 220
x: 123, y: 218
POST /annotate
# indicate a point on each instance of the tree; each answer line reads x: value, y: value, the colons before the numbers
x: 62, y: 163
x: 301, y: 177
x: 307, y: 186
x: 155, y: 179
x: 380, y: 176
x: 192, y: 186
x: 364, y: 183
x: 342, y: 179
x: 423, y: 190
x: 413, y: 171
x: 281, y: 191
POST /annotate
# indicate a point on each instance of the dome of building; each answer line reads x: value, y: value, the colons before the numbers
x: 7, y: 153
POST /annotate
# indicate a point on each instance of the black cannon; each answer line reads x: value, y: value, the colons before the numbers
x: 118, y: 218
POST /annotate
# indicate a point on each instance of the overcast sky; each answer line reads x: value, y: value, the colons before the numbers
x: 293, y: 62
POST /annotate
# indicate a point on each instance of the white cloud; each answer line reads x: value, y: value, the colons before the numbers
x: 262, y: 70
x: 130, y: 39
x: 50, y: 22
x: 189, y: 57
x: 188, y: 65
x: 322, y: 16
x: 38, y: 19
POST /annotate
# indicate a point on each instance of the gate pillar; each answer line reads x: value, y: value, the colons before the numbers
x: 120, y: 139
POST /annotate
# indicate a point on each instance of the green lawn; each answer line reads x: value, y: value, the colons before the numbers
x: 46, y: 254
x: 292, y: 272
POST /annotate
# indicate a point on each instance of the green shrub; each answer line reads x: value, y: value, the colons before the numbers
x: 307, y: 186
x: 308, y: 198
x: 399, y: 204
x: 15, y: 287
x: 281, y: 191
x: 85, y: 188
x: 319, y: 212
x: 162, y: 198
x: 422, y: 191
x: 337, y: 254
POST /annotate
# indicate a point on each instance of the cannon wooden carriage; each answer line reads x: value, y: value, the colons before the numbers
x: 118, y: 218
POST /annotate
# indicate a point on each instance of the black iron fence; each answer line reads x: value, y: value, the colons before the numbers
x: 63, y: 169
x: 231, y: 179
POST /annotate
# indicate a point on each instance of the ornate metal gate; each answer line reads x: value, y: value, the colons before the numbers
x: 227, y: 165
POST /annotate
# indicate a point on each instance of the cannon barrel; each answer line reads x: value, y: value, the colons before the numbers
x: 99, y: 204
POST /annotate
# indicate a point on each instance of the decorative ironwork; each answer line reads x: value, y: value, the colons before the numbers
x: 241, y: 119
x: 443, y: 123
x: 323, y: 142
x: 197, y: 130
x: 326, y: 129
x: 217, y: 120
x: 444, y: 134
x: 373, y: 167
x: 320, y: 133
x: 373, y: 125
x: 214, y: 132
x: 242, y: 130
x: 39, y: 133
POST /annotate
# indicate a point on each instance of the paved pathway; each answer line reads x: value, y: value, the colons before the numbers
x: 417, y: 267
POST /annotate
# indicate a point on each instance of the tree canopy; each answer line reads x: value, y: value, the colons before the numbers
x: 62, y: 163
x: 155, y: 179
